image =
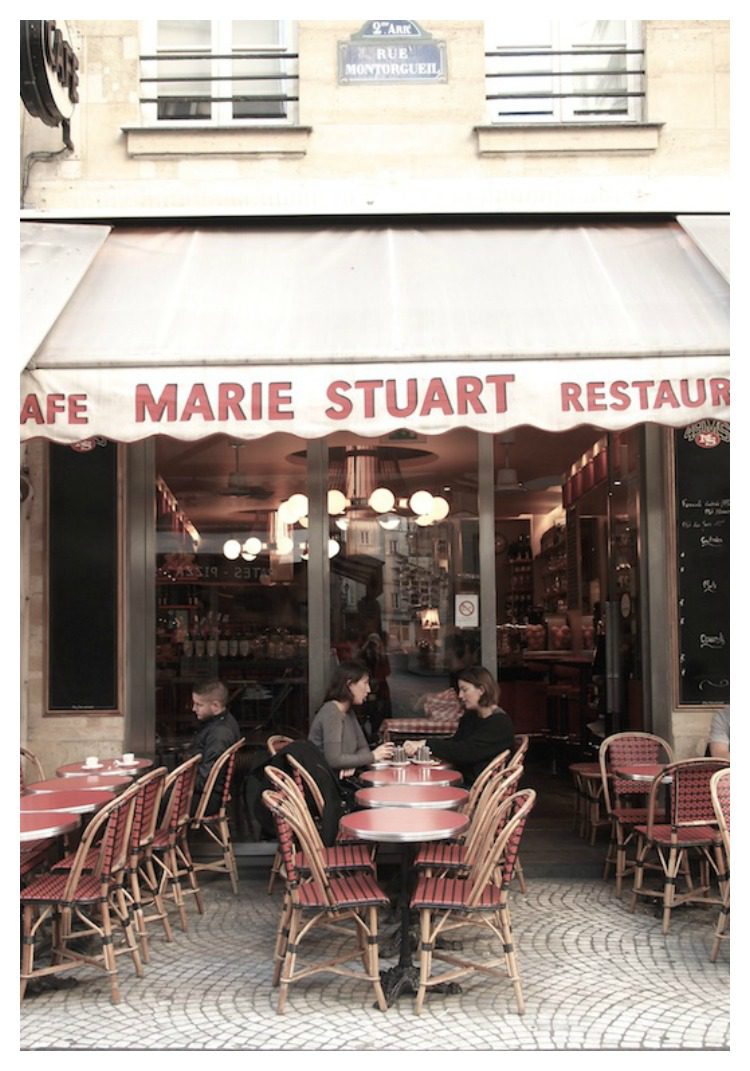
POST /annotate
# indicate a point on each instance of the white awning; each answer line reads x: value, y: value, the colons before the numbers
x: 54, y: 259
x: 194, y: 330
x: 711, y: 235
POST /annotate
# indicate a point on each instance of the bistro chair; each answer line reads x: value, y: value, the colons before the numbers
x: 480, y: 898
x: 216, y: 824
x: 327, y: 901
x: 459, y: 856
x: 690, y: 830
x: 276, y: 742
x: 170, y: 849
x: 720, y: 801
x: 31, y: 758
x: 519, y: 755
x: 626, y: 801
x: 81, y: 902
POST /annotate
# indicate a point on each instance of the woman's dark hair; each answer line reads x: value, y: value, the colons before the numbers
x: 482, y: 678
x: 344, y: 674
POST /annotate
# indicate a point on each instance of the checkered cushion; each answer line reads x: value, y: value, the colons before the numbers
x: 690, y: 836
x: 451, y: 894
x: 49, y: 888
x: 420, y: 726
x: 631, y: 816
x: 67, y: 862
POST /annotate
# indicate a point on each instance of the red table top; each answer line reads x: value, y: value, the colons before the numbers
x: 586, y: 769
x: 92, y: 782
x: 420, y: 796
x: 106, y: 766
x: 403, y: 824
x: 411, y: 775
x: 39, y: 826
x: 74, y: 801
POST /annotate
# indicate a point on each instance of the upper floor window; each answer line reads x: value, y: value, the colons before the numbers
x: 564, y: 72
x: 218, y: 71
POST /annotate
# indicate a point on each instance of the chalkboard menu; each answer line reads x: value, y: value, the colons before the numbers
x: 82, y: 579
x: 702, y: 512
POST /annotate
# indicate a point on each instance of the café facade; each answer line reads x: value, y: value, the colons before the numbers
x: 252, y: 441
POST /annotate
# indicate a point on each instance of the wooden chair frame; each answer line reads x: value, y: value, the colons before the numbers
x: 81, y: 904
x: 216, y: 826
x: 720, y: 798
x: 170, y: 848
x: 29, y: 756
x: 326, y: 901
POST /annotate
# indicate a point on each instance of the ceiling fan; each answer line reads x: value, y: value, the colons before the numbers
x: 506, y: 478
x: 239, y: 485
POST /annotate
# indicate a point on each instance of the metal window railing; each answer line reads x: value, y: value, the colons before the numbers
x: 192, y: 102
x: 574, y: 90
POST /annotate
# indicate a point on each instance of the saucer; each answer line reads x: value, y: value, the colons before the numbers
x: 404, y: 763
x: 119, y: 762
x: 93, y: 766
x: 426, y: 762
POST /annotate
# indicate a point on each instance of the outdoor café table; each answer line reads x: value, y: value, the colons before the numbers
x: 44, y: 825
x: 406, y: 826
x: 646, y: 772
x: 106, y: 766
x: 70, y: 801
x: 410, y: 775
x: 91, y: 782
x: 420, y: 796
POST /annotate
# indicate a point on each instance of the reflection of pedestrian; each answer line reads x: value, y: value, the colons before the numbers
x: 718, y: 740
x: 378, y: 705
x: 368, y: 608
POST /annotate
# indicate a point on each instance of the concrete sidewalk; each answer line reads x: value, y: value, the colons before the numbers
x: 594, y: 975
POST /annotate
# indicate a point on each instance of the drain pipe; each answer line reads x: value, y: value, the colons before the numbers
x: 35, y: 157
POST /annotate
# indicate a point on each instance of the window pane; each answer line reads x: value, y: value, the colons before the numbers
x: 513, y: 76
x: 181, y: 98
x: 605, y: 71
x: 257, y: 77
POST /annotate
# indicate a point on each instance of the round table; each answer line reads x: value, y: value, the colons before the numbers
x: 91, y: 782
x: 71, y: 801
x: 418, y: 796
x: 411, y: 775
x: 587, y: 779
x: 46, y: 824
x: 641, y: 771
x: 405, y: 826
x: 106, y: 766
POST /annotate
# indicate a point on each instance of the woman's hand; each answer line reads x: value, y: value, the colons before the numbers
x: 382, y: 752
x: 346, y: 773
x: 411, y: 747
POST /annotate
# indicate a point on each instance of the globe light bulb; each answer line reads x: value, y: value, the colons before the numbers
x: 284, y: 545
x: 421, y: 502
x: 381, y: 500
x: 232, y: 549
x: 440, y: 508
x: 253, y: 546
x: 286, y: 512
x: 249, y: 557
x: 389, y: 521
x: 337, y: 502
x: 333, y: 548
x: 424, y: 519
x: 303, y: 522
x: 298, y: 505
x: 342, y: 523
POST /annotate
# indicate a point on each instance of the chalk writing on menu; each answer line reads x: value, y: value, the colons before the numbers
x: 702, y: 512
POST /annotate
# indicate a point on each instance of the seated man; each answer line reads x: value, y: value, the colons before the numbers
x: 219, y: 731
x: 718, y: 739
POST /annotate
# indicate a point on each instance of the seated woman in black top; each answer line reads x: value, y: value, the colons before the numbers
x: 483, y: 731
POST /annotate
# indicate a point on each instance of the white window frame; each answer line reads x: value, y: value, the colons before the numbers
x: 562, y: 110
x: 221, y: 44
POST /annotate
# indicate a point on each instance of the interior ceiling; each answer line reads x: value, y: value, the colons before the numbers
x: 221, y: 483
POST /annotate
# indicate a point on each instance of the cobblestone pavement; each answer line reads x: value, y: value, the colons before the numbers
x: 594, y: 977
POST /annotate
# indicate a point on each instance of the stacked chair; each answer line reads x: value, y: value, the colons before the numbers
x: 479, y: 897
x: 625, y: 801
x: 170, y: 850
x: 321, y: 898
x: 689, y: 831
x: 34, y: 853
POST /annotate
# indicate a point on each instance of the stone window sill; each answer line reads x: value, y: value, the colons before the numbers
x: 568, y: 138
x: 169, y: 139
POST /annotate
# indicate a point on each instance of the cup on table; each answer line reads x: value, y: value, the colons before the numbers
x: 128, y: 758
x: 91, y: 760
x: 423, y: 753
x: 399, y: 754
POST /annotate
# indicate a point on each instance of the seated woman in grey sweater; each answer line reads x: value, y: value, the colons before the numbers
x: 335, y: 729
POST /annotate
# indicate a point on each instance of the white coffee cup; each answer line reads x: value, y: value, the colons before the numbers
x: 128, y: 757
x: 91, y: 760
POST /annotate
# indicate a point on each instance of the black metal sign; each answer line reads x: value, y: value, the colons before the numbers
x: 702, y: 512
x: 49, y: 71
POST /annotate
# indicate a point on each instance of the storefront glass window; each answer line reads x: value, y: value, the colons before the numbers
x: 231, y: 583
x: 404, y: 564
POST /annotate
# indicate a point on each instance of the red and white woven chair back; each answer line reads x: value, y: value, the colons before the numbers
x: 179, y: 785
x: 691, y: 800
x: 720, y: 799
x: 147, y: 801
x: 628, y: 749
x: 502, y: 850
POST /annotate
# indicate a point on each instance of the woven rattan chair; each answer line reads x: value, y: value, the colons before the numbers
x: 626, y: 801
x: 518, y: 757
x: 170, y: 849
x: 276, y: 742
x: 81, y: 902
x: 32, y: 760
x: 691, y: 830
x: 479, y: 899
x: 720, y: 801
x: 216, y: 824
x: 324, y: 900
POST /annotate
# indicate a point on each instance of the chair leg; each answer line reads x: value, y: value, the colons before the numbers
x: 674, y: 862
x: 152, y: 885
x: 27, y: 950
x: 520, y: 875
x: 282, y: 938
x: 510, y: 956
x: 275, y: 871
x: 123, y: 914
x: 287, y: 973
x: 183, y: 852
x: 230, y: 860
x: 137, y: 911
x: 108, y: 952
x: 640, y: 858
x: 425, y: 958
x: 373, y: 967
